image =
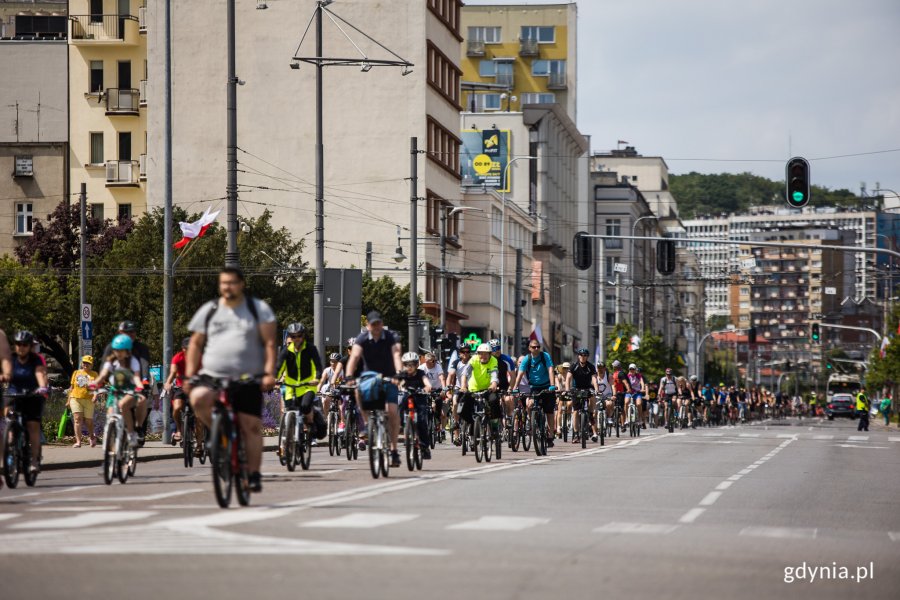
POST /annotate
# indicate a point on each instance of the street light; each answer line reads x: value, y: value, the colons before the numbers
x: 503, y: 246
x: 445, y: 214
x: 631, y: 257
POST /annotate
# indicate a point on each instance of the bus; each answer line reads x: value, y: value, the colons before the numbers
x: 842, y: 383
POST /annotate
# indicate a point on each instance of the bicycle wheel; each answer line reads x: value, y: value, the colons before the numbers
x: 514, y: 434
x: 498, y: 442
x: 354, y: 442
x: 305, y: 453
x: 418, y: 453
x: 220, y: 457
x: 565, y: 425
x: 525, y: 432
x: 374, y: 450
x: 132, y: 461
x: 282, y: 447
x: 122, y: 471
x: 289, y: 453
x: 350, y: 436
x: 584, y: 426
x: 536, y: 433
x: 477, y: 440
x: 543, y: 433
x: 11, y: 456
x: 464, y: 437
x: 203, y: 445
x: 242, y: 477
x: 385, y: 450
x: 601, y: 416
x: 487, y: 441
x: 616, y: 421
x: 187, y: 440
x: 109, y: 452
x: 332, y: 433
x: 432, y: 432
x: 408, y: 445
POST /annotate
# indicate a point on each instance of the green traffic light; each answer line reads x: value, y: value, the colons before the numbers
x: 798, y: 197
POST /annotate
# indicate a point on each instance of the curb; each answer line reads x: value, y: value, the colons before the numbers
x: 85, y: 464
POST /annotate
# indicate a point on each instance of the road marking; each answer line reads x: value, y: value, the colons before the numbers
x: 691, y: 515
x: 893, y: 438
x: 749, y: 435
x: 858, y: 438
x: 894, y: 535
x: 735, y: 477
x: 857, y: 446
x: 329, y: 472
x: 500, y: 523
x: 73, y: 508
x: 635, y: 528
x: 823, y: 437
x: 780, y: 532
x: 7, y: 516
x: 712, y: 442
x: 151, y: 497
x: 360, y: 520
x: 88, y: 519
x: 710, y: 499
x: 713, y: 434
x: 746, y: 471
x: 791, y: 436
x: 724, y: 485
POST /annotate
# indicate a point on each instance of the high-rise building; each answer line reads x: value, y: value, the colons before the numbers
x: 108, y: 105
x: 519, y: 54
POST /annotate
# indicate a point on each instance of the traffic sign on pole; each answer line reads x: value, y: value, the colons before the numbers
x: 86, y: 313
x: 87, y: 331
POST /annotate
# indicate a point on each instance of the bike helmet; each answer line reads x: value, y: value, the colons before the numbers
x: 583, y: 352
x: 409, y: 357
x: 296, y: 329
x: 465, y: 348
x: 600, y: 363
x: 494, y: 344
x: 23, y: 337
x: 128, y: 327
x: 484, y: 348
x: 693, y: 378
x: 350, y: 342
x: 616, y: 364
x: 334, y: 356
x: 122, y: 342
x: 632, y: 366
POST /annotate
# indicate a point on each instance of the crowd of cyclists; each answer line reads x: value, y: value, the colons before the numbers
x: 231, y: 358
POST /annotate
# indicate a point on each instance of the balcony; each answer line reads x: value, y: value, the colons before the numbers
x: 101, y: 30
x: 122, y: 101
x: 529, y: 48
x: 142, y: 19
x: 505, y: 79
x: 557, y: 81
x: 475, y: 48
x: 143, y: 92
x: 122, y: 173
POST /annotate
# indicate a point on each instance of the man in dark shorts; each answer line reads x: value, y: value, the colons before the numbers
x: 234, y: 339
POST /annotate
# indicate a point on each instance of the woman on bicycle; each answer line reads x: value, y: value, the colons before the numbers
x: 122, y: 359
x: 29, y: 382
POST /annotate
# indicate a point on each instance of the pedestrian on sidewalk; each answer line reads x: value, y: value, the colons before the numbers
x: 885, y: 409
x: 862, y: 408
x: 81, y: 399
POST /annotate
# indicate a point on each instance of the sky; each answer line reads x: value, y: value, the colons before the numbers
x: 745, y: 84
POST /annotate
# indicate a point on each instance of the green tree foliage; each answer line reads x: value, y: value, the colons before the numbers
x: 885, y: 372
x: 390, y: 299
x: 701, y: 194
x: 653, y: 356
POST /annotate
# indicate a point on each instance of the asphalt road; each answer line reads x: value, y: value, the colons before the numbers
x: 713, y: 513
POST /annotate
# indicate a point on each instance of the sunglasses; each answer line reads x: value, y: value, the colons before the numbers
x: 23, y: 344
x: 534, y: 347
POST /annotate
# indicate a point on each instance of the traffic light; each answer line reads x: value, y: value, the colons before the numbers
x: 814, y: 332
x: 797, y: 181
x: 751, y: 335
x: 665, y: 256
x: 582, y: 251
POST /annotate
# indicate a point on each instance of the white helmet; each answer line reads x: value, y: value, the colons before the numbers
x: 484, y: 348
x: 410, y: 357
x: 632, y: 366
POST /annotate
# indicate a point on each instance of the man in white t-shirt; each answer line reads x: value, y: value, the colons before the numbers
x: 435, y: 374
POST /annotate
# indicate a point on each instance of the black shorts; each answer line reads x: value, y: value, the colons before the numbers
x: 30, y: 407
x: 546, y: 400
x: 304, y: 403
x: 620, y: 400
x: 245, y: 397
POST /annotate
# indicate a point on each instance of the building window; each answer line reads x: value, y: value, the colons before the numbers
x: 538, y: 98
x: 443, y: 147
x: 24, y: 218
x: 97, y: 211
x: 124, y: 212
x: 443, y: 74
x: 482, y: 102
x: 545, y: 68
x: 97, y: 148
x: 487, y: 68
x: 488, y: 35
x: 448, y: 12
x: 96, y: 77
x: 124, y: 145
x: 543, y: 35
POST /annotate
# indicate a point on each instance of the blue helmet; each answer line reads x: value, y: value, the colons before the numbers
x: 122, y: 342
x: 494, y: 344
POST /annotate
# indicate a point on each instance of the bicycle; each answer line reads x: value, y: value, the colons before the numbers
x: 119, y: 456
x: 615, y: 421
x: 520, y: 432
x: 632, y: 418
x: 227, y: 452
x: 17, y: 447
x: 653, y: 413
x: 333, y: 420
x: 565, y: 415
x: 670, y: 414
x: 538, y: 425
x: 351, y: 425
x: 294, y: 440
x: 600, y: 410
x: 189, y: 428
x: 435, y: 431
x: 481, y: 439
x: 379, y: 448
x: 683, y: 412
x: 584, y: 415
x: 411, y: 441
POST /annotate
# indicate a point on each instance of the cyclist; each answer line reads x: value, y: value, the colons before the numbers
x: 620, y: 386
x: 122, y: 358
x: 378, y: 349
x: 638, y: 390
x: 583, y: 376
x: 81, y: 399
x: 455, y: 372
x: 707, y: 395
x: 417, y: 383
x: 563, y: 400
x: 505, y: 366
x: 5, y: 358
x: 341, y: 370
x: 327, y: 383
x: 235, y: 336
x: 538, y: 369
x: 435, y: 374
x: 176, y: 380
x: 300, y: 367
x: 668, y: 389
x: 812, y: 404
x: 604, y: 385
x: 28, y: 376
x: 482, y: 375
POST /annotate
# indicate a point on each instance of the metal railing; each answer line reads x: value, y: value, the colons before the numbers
x: 529, y: 48
x: 557, y: 81
x: 143, y: 92
x: 505, y: 79
x: 124, y: 100
x: 99, y: 27
x: 122, y: 172
x: 475, y: 48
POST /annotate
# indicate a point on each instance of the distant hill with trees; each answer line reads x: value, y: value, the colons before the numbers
x: 700, y: 194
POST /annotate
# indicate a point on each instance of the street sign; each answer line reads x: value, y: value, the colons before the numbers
x: 748, y: 263
x: 620, y: 268
x: 830, y: 291
x: 87, y: 347
x: 87, y: 331
x: 86, y: 313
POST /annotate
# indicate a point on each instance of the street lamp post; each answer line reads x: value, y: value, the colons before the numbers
x: 631, y: 259
x: 445, y: 214
x: 503, y: 247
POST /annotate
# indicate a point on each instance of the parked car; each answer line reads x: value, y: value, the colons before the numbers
x: 840, y: 405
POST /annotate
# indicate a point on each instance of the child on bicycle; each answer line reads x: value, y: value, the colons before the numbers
x: 414, y: 381
x: 119, y: 364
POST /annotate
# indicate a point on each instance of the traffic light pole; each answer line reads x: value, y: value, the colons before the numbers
x: 872, y: 331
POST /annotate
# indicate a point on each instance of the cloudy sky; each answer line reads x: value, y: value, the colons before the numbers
x: 748, y: 83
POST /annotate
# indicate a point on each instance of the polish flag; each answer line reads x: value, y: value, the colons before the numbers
x: 885, y: 342
x: 194, y: 230
x: 537, y: 336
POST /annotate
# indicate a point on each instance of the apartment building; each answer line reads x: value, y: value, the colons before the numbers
x: 33, y: 116
x: 108, y: 105
x: 370, y: 113
x: 519, y: 54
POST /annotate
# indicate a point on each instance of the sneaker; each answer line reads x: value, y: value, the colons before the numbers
x: 255, y: 482
x: 34, y: 468
x: 314, y: 443
x: 93, y: 441
x: 550, y: 443
x: 140, y: 440
x: 76, y: 445
x: 362, y: 445
x: 643, y: 426
x: 426, y: 453
x: 395, y: 459
x: 132, y: 439
x: 594, y: 438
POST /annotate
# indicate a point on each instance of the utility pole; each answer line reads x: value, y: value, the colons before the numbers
x: 369, y: 259
x: 319, y: 285
x: 232, y: 258
x: 517, y: 327
x: 413, y: 243
x: 618, y: 296
x: 443, y: 292
x: 168, y: 277
x: 601, y: 301
x: 82, y: 266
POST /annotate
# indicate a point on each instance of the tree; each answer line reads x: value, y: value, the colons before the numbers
x: 390, y: 299
x: 717, y: 322
x: 884, y: 371
x: 652, y: 355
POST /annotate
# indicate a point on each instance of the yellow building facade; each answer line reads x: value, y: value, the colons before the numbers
x: 107, y: 105
x: 514, y: 55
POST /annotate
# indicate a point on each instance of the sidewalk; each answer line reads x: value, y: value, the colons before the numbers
x: 57, y: 457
